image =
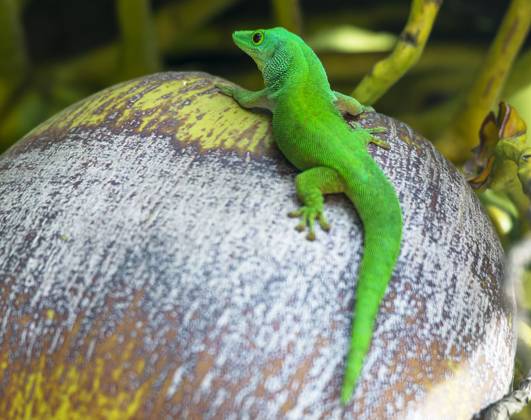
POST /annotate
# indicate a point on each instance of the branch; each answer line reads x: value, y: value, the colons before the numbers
x: 457, y: 141
x: 518, y: 259
x: 288, y: 14
x: 511, y: 404
x: 139, y: 49
x: 405, y: 54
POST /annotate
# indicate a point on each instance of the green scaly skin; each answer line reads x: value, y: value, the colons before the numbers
x: 310, y: 131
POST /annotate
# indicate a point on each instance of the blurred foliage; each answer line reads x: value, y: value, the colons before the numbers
x: 55, y: 52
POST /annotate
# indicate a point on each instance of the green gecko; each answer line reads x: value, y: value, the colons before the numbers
x: 310, y: 131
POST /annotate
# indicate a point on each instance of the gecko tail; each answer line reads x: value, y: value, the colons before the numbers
x: 379, y: 210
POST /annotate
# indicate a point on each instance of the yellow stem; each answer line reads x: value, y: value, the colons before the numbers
x: 462, y: 135
x: 406, y: 53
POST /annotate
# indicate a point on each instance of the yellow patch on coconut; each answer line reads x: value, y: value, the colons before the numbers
x: 63, y: 383
x: 69, y: 392
x: 183, y: 105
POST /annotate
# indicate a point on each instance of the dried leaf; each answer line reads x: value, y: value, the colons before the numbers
x: 479, y: 167
x: 510, y: 123
x: 501, y: 138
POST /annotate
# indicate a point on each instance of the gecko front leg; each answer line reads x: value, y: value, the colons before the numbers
x: 349, y: 105
x: 247, y: 98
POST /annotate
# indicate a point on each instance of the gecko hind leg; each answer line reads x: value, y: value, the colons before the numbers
x: 311, y: 185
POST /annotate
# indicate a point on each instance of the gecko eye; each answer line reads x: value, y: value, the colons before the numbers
x: 258, y: 38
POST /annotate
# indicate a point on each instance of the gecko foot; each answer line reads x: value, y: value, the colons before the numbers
x: 307, y: 217
x: 380, y: 142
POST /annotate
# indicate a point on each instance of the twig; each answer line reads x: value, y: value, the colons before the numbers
x: 511, y: 403
x: 13, y: 56
x: 288, y: 14
x: 518, y: 259
x: 405, y: 54
x: 457, y: 141
x: 139, y: 49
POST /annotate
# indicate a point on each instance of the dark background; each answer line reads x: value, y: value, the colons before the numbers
x: 65, y: 39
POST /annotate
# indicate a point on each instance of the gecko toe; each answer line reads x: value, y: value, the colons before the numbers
x: 295, y: 213
x: 323, y: 222
x: 307, y: 216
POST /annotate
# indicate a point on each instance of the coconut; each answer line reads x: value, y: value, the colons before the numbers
x: 148, y: 269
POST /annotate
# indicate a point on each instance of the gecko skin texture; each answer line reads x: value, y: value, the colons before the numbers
x: 310, y: 131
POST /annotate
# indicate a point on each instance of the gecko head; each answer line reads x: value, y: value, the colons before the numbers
x: 261, y: 44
